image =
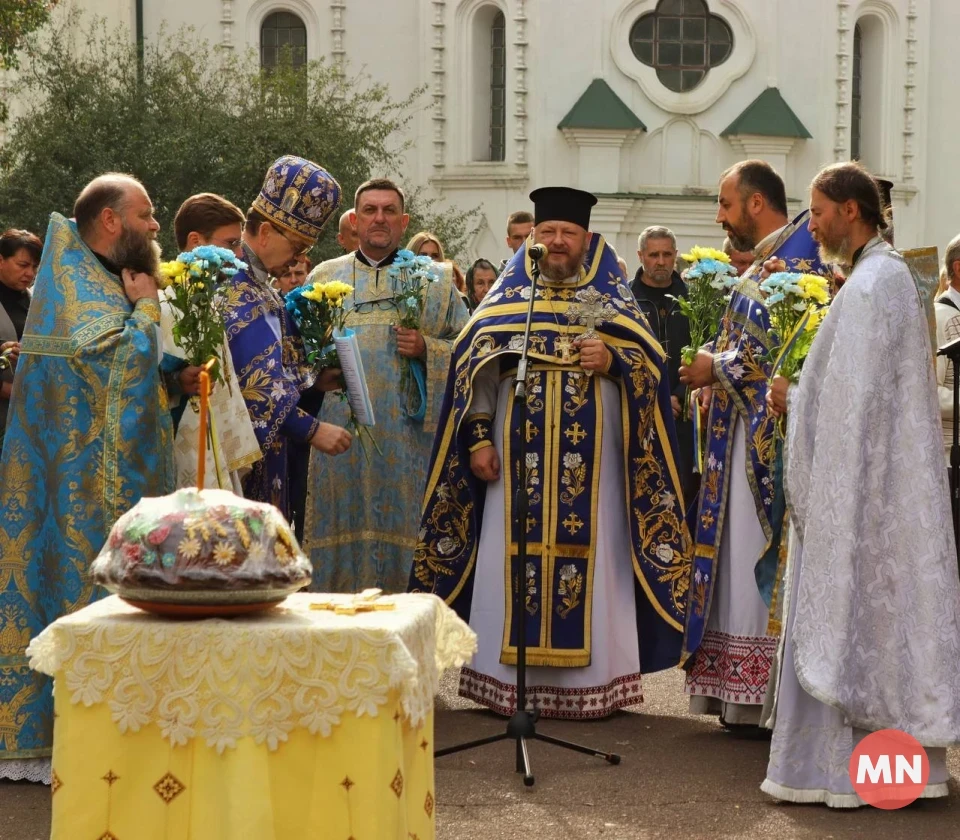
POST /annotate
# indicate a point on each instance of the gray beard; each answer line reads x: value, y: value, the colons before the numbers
x: 138, y: 252
x: 839, y: 255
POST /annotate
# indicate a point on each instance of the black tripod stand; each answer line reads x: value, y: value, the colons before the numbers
x: 952, y: 352
x: 523, y: 725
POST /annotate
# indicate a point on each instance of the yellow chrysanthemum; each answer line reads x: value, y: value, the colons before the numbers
x: 172, y: 269
x: 814, y: 287
x: 312, y: 293
x: 223, y: 553
x: 335, y: 291
x: 817, y: 314
x: 698, y: 252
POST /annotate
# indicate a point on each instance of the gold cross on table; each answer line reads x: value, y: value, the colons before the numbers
x: 367, y: 601
x: 592, y: 308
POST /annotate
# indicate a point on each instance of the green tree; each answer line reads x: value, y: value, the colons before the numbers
x: 19, y: 18
x: 198, y: 119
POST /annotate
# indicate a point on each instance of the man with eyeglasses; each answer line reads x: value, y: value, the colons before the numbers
x: 297, y: 199
x: 207, y: 219
x: 363, y: 515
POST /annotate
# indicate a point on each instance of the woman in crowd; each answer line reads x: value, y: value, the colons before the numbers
x: 480, y: 279
x: 426, y: 244
x: 19, y: 260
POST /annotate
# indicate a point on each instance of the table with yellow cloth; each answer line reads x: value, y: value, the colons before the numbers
x: 293, y: 723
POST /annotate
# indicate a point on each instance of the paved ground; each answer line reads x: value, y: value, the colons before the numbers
x: 680, y: 777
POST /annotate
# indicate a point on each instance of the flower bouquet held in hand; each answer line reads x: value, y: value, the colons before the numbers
x: 318, y: 311
x: 797, y: 304
x: 192, y: 288
x: 412, y: 276
x: 709, y: 280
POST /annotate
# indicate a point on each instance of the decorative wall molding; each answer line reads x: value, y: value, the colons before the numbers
x: 520, y: 44
x: 481, y: 176
x: 841, y: 132
x: 717, y: 80
x: 338, y: 31
x: 909, y: 89
x: 438, y: 85
x: 226, y: 24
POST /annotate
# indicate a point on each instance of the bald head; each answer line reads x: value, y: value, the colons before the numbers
x: 112, y: 192
x: 347, y: 237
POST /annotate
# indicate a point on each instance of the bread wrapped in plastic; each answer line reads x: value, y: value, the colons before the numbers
x: 201, y: 540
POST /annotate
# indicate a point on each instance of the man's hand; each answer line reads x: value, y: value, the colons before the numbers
x: 410, y: 343
x: 772, y: 266
x: 138, y: 286
x: 329, y: 380
x: 331, y: 439
x: 675, y: 404
x: 777, y: 396
x: 703, y: 397
x: 594, y: 354
x: 699, y: 373
x: 485, y: 463
x: 189, y: 379
x: 11, y: 348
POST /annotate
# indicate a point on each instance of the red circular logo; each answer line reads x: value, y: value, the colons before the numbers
x: 889, y: 769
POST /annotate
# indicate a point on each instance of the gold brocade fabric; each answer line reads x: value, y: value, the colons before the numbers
x: 370, y: 779
x: 259, y: 678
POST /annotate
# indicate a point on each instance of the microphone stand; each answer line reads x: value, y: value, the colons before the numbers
x: 952, y: 352
x: 522, y: 726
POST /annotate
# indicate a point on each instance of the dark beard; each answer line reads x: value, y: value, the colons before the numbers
x: 743, y: 240
x: 570, y: 268
x: 138, y: 252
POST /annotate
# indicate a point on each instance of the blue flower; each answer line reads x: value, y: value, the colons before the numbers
x: 412, y: 302
x: 404, y: 255
x: 168, y: 560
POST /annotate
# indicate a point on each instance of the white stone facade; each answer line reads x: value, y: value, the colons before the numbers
x: 666, y: 174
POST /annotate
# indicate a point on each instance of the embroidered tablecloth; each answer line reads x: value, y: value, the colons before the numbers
x: 296, y: 722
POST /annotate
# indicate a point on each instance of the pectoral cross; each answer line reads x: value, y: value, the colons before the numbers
x: 564, y: 344
x: 592, y: 308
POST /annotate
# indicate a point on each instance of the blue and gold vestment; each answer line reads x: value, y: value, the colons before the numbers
x: 742, y: 368
x: 563, y: 437
x: 89, y: 435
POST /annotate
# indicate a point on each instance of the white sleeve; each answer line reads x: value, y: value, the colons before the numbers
x: 485, y: 385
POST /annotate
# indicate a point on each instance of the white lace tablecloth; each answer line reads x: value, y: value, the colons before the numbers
x: 258, y: 676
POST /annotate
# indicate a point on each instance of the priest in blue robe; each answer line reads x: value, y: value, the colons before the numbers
x: 89, y: 435
x: 286, y: 219
x: 607, y: 567
x: 732, y: 617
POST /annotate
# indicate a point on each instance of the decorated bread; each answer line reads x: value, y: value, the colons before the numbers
x: 201, y: 541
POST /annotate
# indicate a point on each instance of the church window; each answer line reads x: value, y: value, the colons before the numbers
x: 682, y: 40
x: 498, y: 87
x: 283, y: 36
x: 856, y: 97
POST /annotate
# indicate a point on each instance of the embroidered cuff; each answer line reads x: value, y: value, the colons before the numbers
x: 480, y: 429
x: 149, y: 307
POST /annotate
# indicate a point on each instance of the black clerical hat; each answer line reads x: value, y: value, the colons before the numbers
x: 562, y: 204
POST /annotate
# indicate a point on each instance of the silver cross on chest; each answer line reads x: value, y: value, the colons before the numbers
x: 592, y: 308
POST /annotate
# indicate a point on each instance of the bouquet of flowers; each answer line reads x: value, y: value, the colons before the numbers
x: 195, y: 295
x: 797, y: 304
x: 318, y: 311
x: 412, y: 276
x: 709, y: 279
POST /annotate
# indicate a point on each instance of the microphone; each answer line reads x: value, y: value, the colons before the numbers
x: 537, y: 252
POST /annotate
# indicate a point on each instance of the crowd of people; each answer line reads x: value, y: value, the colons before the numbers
x: 804, y: 575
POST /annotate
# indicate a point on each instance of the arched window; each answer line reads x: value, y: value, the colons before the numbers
x: 488, y: 87
x: 683, y: 40
x: 498, y: 87
x: 282, y: 34
x: 856, y: 94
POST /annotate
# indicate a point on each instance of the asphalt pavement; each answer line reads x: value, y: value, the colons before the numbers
x: 680, y: 777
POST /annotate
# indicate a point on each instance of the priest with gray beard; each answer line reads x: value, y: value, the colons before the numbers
x: 872, y: 636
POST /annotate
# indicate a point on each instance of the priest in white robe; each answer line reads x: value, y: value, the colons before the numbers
x: 605, y: 578
x: 872, y: 637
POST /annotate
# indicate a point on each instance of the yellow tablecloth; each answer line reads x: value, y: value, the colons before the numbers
x: 297, y: 723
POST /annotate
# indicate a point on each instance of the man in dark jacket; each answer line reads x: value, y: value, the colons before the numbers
x: 656, y: 288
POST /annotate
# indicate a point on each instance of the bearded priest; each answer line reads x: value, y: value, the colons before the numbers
x: 872, y: 638
x: 608, y: 554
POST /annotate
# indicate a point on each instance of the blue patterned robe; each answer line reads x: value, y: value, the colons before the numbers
x: 742, y: 369
x: 563, y: 458
x: 362, y: 516
x: 89, y: 434
x: 268, y: 357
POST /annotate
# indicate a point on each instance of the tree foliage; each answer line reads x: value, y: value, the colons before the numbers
x: 197, y: 118
x: 18, y: 19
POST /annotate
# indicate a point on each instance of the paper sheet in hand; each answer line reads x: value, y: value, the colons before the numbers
x: 352, y: 366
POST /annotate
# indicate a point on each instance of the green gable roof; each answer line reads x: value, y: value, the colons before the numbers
x: 769, y: 116
x: 600, y: 108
